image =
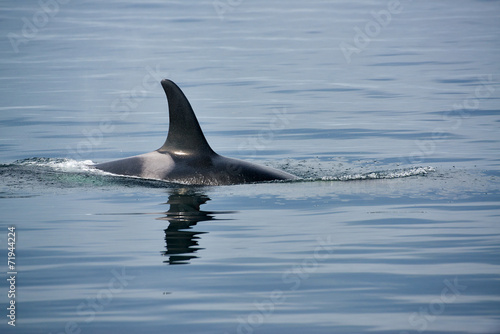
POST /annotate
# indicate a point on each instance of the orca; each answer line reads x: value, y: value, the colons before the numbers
x: 186, y: 157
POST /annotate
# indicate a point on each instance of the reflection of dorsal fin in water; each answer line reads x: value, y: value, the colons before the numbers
x: 179, y: 244
x: 184, y: 212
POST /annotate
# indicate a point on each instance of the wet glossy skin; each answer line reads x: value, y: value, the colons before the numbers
x: 186, y: 157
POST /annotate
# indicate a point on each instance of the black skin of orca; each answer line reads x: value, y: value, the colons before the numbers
x: 186, y: 157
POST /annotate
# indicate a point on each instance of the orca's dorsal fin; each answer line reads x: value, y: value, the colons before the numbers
x: 184, y: 132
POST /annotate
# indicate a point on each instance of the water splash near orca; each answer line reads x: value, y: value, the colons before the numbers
x: 43, y: 173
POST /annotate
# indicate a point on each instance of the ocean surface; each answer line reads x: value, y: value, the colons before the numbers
x: 389, y: 112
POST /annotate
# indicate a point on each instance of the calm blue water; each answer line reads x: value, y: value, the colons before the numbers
x: 388, y: 110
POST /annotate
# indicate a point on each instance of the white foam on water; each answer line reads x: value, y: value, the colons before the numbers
x: 64, y: 165
x: 391, y: 174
